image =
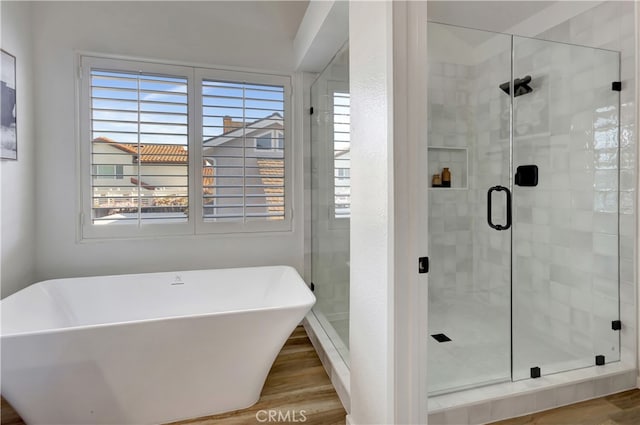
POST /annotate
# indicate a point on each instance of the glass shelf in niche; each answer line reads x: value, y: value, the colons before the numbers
x: 456, y: 159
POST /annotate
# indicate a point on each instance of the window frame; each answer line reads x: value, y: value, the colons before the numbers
x: 274, y: 138
x: 195, y: 223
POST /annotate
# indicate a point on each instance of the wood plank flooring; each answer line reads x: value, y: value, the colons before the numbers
x: 297, y: 381
x: 297, y: 384
x: 617, y: 409
x: 8, y: 416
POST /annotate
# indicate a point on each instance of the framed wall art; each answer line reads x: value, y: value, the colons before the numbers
x: 8, y: 111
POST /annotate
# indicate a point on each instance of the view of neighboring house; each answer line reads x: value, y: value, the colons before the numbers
x: 242, y: 171
x: 247, y: 162
x: 152, y: 176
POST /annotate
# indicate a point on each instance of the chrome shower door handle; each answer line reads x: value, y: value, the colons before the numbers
x: 489, y: 208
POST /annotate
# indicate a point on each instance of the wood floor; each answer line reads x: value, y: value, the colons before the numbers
x: 297, y: 386
x: 617, y: 409
x: 8, y: 416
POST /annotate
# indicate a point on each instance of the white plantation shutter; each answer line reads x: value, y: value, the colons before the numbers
x: 341, y: 155
x: 243, y: 151
x: 139, y: 138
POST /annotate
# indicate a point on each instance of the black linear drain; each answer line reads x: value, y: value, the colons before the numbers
x: 441, y: 337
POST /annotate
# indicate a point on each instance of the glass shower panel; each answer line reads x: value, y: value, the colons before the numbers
x: 565, y: 231
x: 469, y: 277
x: 331, y: 199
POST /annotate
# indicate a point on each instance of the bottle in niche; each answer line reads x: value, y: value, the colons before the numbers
x: 446, y: 177
x: 436, y: 181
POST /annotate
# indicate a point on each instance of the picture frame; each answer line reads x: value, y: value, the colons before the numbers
x: 8, y: 108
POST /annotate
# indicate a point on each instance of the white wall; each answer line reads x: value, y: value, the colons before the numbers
x: 17, y: 216
x: 371, y: 306
x: 239, y: 34
x: 411, y: 237
x: 388, y: 224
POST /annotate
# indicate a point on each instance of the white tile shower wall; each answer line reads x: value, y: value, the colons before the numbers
x: 450, y: 215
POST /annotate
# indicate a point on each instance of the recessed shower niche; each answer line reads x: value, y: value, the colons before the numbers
x: 454, y: 159
x: 523, y: 278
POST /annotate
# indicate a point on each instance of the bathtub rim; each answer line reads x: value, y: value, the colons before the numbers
x: 141, y: 321
x: 309, y: 304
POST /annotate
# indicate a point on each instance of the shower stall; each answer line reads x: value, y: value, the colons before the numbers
x: 330, y: 200
x: 523, y: 162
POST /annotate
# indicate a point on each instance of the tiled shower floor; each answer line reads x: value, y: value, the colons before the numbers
x: 479, y: 352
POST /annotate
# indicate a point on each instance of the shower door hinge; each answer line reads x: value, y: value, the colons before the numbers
x: 616, y: 325
x: 311, y: 111
x: 534, y: 372
x: 423, y: 265
x: 600, y: 360
x: 616, y: 86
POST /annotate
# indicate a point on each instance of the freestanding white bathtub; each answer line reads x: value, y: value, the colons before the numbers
x: 146, y: 348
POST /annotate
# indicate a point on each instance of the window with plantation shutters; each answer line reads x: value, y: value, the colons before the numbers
x: 175, y: 150
x: 139, y: 148
x: 243, y: 149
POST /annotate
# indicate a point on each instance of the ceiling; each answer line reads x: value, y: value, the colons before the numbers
x: 285, y: 14
x: 273, y: 16
x: 526, y: 18
x: 498, y: 16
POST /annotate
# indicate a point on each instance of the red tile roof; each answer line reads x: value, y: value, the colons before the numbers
x: 272, y: 172
x: 207, y: 179
x: 151, y: 154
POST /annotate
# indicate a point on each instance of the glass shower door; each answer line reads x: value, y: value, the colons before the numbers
x: 331, y: 199
x: 565, y: 230
x: 469, y: 277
